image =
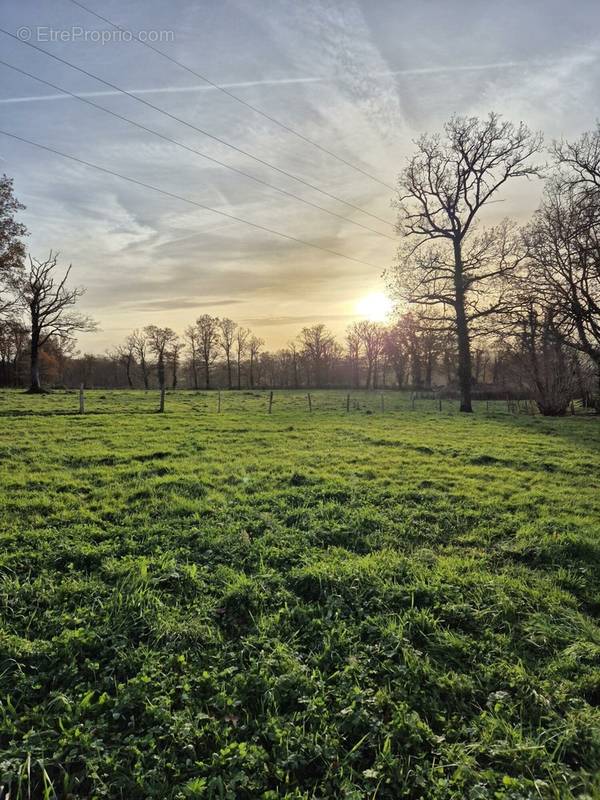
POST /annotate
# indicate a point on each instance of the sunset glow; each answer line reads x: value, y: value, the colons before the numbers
x: 375, y: 307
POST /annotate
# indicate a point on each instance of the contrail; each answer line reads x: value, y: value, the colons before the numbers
x: 284, y: 81
x: 164, y: 89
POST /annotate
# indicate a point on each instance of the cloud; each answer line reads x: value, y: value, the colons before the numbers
x: 175, y: 303
x: 362, y: 79
x: 266, y: 322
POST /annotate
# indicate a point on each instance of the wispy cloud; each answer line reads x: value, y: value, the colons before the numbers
x: 174, y: 303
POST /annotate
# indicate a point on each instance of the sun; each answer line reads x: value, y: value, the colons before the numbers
x: 375, y: 307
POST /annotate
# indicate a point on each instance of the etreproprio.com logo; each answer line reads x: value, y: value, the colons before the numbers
x: 77, y: 33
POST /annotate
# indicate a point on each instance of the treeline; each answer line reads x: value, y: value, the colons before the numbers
x: 411, y: 353
x: 499, y: 308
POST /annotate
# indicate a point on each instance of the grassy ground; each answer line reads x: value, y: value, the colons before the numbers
x: 325, y: 605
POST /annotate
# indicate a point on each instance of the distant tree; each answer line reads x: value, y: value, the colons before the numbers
x: 12, y: 249
x: 137, y: 342
x: 193, y: 341
x: 160, y: 342
x: 396, y: 349
x: 354, y: 352
x: 318, y: 346
x: 174, y: 356
x: 294, y: 359
x: 432, y: 332
x: 13, y: 344
x: 372, y: 338
x: 441, y: 193
x: 254, y: 347
x: 241, y: 348
x: 208, y: 342
x: 547, y: 367
x: 48, y: 303
x: 125, y: 356
x: 227, y: 331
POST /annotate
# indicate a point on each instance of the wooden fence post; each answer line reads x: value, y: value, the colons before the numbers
x: 309, y: 403
x: 382, y: 403
x: 81, y: 400
x: 218, y: 401
x: 487, y: 406
x: 347, y: 404
x: 440, y: 404
x: 412, y: 400
x: 270, y: 401
x: 161, y: 407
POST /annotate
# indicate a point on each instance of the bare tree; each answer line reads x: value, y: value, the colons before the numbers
x: 174, y: 356
x: 241, y: 348
x: 354, y: 351
x: 254, y: 346
x: 124, y: 355
x: 581, y: 162
x: 48, y: 303
x: 396, y: 349
x: 208, y: 342
x: 227, y: 331
x: 138, y: 343
x: 13, y: 343
x: 192, y: 337
x: 160, y: 341
x: 319, y: 347
x: 564, y: 249
x: 440, y: 195
x: 12, y: 249
x: 294, y: 356
x: 372, y: 338
x: 547, y: 367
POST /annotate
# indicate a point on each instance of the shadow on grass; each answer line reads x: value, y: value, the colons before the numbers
x: 582, y: 429
x: 69, y: 413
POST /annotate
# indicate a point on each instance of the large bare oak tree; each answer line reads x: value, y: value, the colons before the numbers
x: 48, y: 302
x: 444, y: 260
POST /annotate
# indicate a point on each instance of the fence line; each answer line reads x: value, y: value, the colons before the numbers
x: 285, y: 401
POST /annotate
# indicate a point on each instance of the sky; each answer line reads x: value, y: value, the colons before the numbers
x: 362, y: 79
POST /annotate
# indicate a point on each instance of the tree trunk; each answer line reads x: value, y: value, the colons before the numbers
x: 144, y: 373
x: 369, y: 374
x: 462, y: 332
x: 128, y: 370
x: 206, y: 374
x: 36, y: 384
x: 161, y: 372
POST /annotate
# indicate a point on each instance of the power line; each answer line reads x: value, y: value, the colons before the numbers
x: 194, y: 127
x: 191, y: 149
x: 235, y: 97
x: 188, y: 200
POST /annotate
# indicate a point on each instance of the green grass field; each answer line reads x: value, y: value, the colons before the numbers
x: 327, y: 605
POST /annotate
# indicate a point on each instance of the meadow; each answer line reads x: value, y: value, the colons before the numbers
x: 362, y: 604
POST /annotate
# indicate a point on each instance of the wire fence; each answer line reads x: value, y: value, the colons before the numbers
x: 270, y: 402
